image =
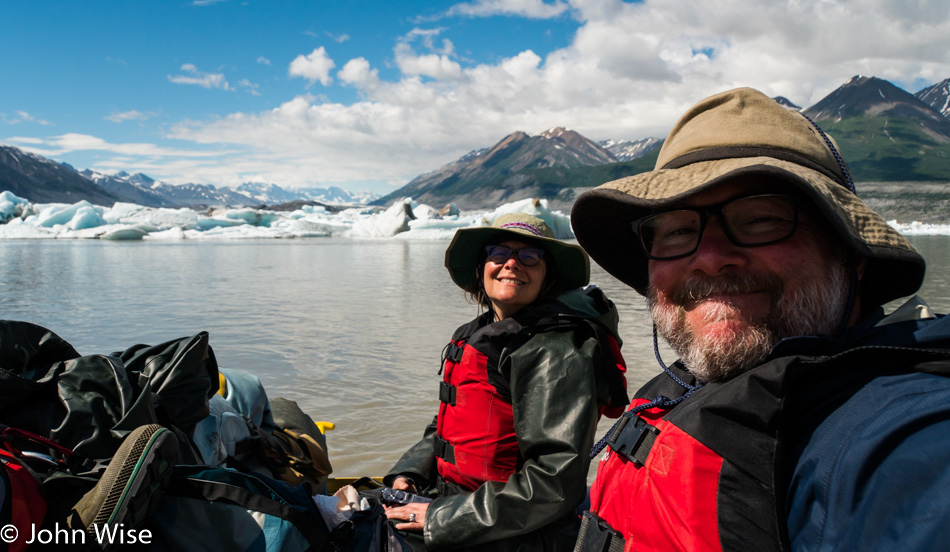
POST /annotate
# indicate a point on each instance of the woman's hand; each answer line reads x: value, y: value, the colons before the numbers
x: 413, y: 515
x: 404, y: 484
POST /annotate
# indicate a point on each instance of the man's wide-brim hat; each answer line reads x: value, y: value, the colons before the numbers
x: 467, y: 250
x: 739, y: 134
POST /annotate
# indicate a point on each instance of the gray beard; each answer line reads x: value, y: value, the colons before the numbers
x: 815, y: 309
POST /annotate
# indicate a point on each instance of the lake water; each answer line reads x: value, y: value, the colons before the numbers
x: 350, y: 329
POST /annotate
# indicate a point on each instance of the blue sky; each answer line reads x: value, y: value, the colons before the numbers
x: 368, y: 95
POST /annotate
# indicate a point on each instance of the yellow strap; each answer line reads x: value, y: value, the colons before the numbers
x: 325, y: 426
x: 222, y: 386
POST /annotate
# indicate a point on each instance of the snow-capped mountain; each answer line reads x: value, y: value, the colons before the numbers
x: 201, y: 195
x: 490, y: 175
x: 272, y: 194
x: 937, y: 97
x: 338, y: 196
x: 42, y: 180
x: 627, y: 150
x: 135, y: 188
x: 267, y: 194
x: 583, y: 150
x: 782, y: 100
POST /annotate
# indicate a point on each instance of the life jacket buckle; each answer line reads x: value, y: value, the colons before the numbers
x: 444, y: 450
x: 596, y: 535
x: 633, y: 438
x: 447, y: 393
x: 454, y: 352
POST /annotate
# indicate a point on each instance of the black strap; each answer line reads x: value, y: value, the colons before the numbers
x: 444, y: 450
x: 608, y: 367
x: 316, y: 533
x: 447, y: 488
x: 633, y: 438
x: 447, y: 393
x: 596, y: 535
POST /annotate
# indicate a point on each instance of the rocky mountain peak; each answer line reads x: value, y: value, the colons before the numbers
x: 937, y: 97
x: 869, y: 96
x: 556, y: 132
x: 783, y: 101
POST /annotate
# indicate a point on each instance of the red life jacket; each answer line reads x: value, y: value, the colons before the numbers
x: 475, y: 424
x: 476, y: 440
x: 711, y: 473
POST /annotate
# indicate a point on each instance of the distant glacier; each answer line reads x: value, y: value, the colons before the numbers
x: 407, y: 219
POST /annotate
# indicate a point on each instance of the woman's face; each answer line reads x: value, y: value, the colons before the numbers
x: 510, y: 285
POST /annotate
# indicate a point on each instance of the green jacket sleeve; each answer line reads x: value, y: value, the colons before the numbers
x: 418, y: 463
x: 555, y: 411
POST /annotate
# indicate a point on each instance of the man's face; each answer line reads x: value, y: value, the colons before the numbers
x: 723, y: 307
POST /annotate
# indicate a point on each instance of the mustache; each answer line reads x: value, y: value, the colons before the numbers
x: 698, y: 288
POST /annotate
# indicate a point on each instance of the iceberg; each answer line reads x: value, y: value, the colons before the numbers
x: 406, y: 220
x: 12, y: 207
x: 920, y: 228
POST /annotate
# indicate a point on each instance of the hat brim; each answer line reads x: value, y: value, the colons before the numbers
x: 601, y: 219
x: 466, y: 251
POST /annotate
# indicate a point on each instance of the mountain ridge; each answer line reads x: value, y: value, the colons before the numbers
x: 885, y: 133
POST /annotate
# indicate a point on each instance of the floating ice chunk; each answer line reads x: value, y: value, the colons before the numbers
x: 151, y: 219
x: 560, y: 223
x: 254, y: 217
x: 122, y: 232
x: 207, y: 223
x: 920, y: 228
x: 18, y: 229
x: 243, y: 232
x: 424, y: 212
x: 386, y: 224
x: 77, y: 216
x: 307, y: 228
x: 86, y: 216
x: 12, y: 206
x: 172, y: 234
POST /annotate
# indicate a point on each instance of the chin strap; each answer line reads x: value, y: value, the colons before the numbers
x: 849, y: 182
x: 849, y: 304
x: 660, y: 402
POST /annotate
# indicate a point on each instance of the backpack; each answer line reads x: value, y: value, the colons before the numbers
x: 22, y: 506
x: 211, y: 509
x: 368, y: 530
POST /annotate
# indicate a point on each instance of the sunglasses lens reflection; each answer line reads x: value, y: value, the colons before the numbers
x: 499, y: 254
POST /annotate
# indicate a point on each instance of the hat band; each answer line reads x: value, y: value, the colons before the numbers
x: 524, y: 226
x: 733, y: 152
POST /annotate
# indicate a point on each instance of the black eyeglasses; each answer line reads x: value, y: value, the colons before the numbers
x: 499, y: 254
x: 747, y: 221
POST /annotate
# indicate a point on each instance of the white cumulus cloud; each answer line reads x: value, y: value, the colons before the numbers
x: 359, y: 73
x: 200, y: 78
x: 131, y: 115
x: 537, y: 9
x: 21, y: 116
x: 315, y: 66
x: 628, y: 72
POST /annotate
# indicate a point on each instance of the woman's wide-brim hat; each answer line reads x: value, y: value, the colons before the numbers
x: 743, y: 133
x: 467, y: 250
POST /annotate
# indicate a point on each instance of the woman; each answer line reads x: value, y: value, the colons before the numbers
x: 523, y: 387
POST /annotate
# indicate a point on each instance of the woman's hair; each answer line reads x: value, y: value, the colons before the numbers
x: 549, y: 290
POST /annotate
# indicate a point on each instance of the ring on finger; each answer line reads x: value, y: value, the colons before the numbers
x: 412, y: 518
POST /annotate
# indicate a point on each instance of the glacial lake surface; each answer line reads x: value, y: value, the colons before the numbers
x: 350, y: 329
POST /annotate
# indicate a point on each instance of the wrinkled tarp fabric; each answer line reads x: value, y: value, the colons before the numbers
x: 90, y: 403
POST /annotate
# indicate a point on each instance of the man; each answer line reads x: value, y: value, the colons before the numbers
x: 798, y: 416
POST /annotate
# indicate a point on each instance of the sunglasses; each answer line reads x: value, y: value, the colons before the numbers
x: 499, y: 254
x: 747, y: 221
